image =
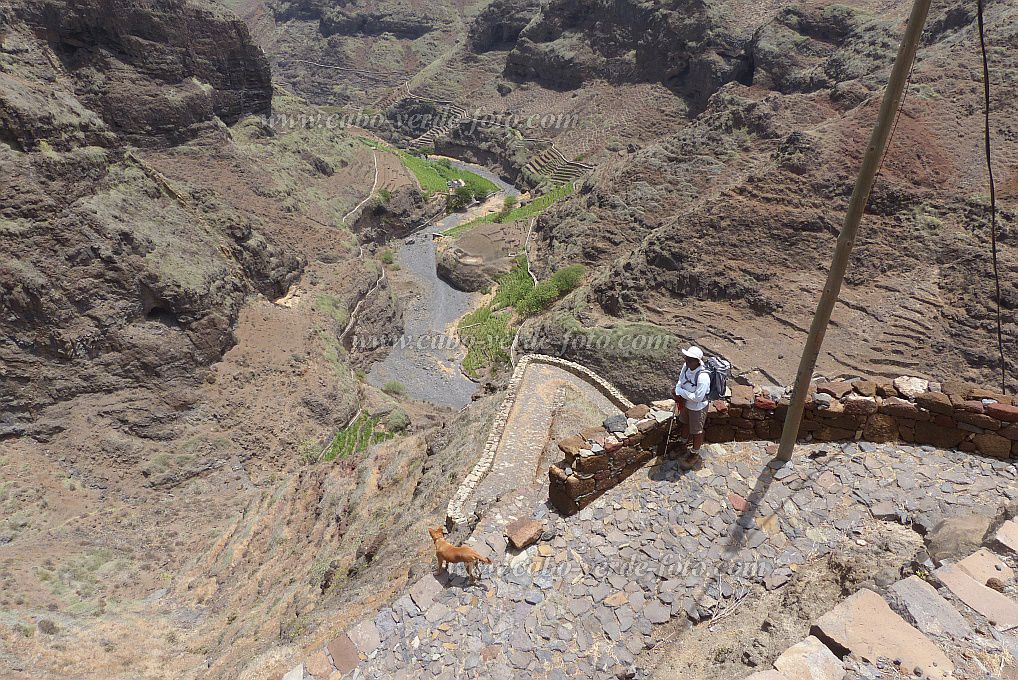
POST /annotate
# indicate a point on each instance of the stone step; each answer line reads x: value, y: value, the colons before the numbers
x: 809, y: 660
x: 849, y: 627
x: 984, y: 567
x: 1007, y: 535
x: 928, y: 611
x: 1000, y: 610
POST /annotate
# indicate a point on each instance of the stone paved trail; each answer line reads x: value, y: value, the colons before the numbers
x: 590, y: 596
x: 527, y: 427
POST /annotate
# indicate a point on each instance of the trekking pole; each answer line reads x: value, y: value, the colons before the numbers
x: 668, y: 438
x: 846, y: 239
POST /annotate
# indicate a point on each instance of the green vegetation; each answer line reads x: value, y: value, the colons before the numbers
x: 394, y: 388
x: 488, y: 332
x: 434, y: 176
x: 388, y: 257
x: 517, y: 213
x: 332, y: 306
x: 356, y: 437
x: 384, y: 196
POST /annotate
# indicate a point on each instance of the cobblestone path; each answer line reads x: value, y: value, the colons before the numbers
x: 526, y: 430
x: 591, y: 595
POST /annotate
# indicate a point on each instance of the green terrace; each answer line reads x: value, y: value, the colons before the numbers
x: 518, y: 213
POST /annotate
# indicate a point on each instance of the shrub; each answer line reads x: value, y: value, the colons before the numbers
x: 397, y: 421
x: 568, y: 279
x: 384, y: 195
x: 388, y: 257
x: 539, y: 299
x: 459, y: 199
x: 394, y: 388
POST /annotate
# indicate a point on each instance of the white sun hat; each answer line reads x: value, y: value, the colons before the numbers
x: 693, y: 352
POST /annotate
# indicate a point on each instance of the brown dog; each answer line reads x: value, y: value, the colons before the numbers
x: 448, y: 553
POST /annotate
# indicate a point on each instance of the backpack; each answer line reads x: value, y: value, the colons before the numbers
x: 719, y: 371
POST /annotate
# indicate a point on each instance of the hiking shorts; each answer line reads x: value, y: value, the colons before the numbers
x: 695, y: 419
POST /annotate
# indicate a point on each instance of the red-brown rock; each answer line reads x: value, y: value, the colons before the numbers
x: 764, y: 403
x: 942, y: 437
x: 935, y: 402
x: 524, y: 532
x: 742, y: 395
x: 738, y: 502
x: 992, y: 444
x: 344, y: 653
x: 835, y: 389
x: 866, y: 388
x: 1004, y: 412
x: 977, y: 419
x: 968, y: 406
x: 900, y: 408
x: 638, y: 411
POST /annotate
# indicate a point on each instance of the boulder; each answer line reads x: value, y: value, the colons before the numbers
x: 980, y: 420
x: 937, y: 435
x: 859, y: 405
x: 1001, y: 610
x: 984, y: 566
x: 900, y: 408
x: 956, y: 537
x: 835, y: 389
x: 866, y: 388
x: 616, y: 423
x: 571, y: 445
x: 638, y: 411
x: 344, y: 653
x: 742, y: 395
x: 880, y: 428
x: 911, y: 387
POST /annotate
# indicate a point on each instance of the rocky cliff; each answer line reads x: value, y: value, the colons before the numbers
x: 688, y: 46
x: 720, y: 233
x: 109, y: 275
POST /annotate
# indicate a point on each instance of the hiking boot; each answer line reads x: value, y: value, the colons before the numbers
x: 693, y: 461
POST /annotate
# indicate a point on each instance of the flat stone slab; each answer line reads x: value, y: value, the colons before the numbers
x: 983, y: 565
x: 365, y: 636
x: 810, y: 660
x: 1007, y: 535
x: 524, y: 532
x: 344, y: 653
x: 851, y: 626
x: 767, y: 675
x: 932, y: 614
x: 1000, y: 610
x: 423, y: 592
x: 297, y: 673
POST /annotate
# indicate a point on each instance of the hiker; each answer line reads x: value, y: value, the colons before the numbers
x: 691, y: 400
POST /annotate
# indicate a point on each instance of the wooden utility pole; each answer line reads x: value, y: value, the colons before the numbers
x: 856, y: 208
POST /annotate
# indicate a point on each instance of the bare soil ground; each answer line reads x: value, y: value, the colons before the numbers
x: 749, y: 636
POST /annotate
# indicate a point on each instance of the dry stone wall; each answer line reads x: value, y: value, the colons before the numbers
x: 949, y: 415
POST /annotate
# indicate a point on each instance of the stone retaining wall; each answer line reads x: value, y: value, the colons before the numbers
x: 949, y: 415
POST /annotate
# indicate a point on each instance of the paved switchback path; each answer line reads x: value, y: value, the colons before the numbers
x: 527, y: 428
x: 592, y: 594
